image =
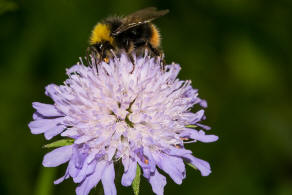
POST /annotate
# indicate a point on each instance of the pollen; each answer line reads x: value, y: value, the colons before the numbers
x: 155, y: 39
x: 101, y: 32
x: 106, y: 60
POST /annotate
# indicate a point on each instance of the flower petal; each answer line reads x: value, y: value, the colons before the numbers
x: 204, y: 126
x: 130, y: 174
x: 82, y: 139
x: 108, y: 179
x: 58, y: 156
x: 126, y: 163
x: 199, y: 135
x: 150, y: 161
x: 203, y: 166
x: 73, y: 171
x: 197, y: 116
x: 173, y: 151
x: 61, y: 179
x: 37, y: 116
x: 173, y: 166
x: 157, y: 182
x: 92, y: 180
x: 42, y: 125
x: 51, y: 91
x: 204, y: 103
x: 46, y: 110
x: 87, y: 169
x: 49, y: 134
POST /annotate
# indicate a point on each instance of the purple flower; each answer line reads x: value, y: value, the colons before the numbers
x: 139, y: 115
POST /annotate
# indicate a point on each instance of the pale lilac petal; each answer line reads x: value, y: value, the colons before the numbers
x: 108, y: 180
x: 173, y: 151
x: 81, y: 152
x: 61, y: 179
x: 151, y: 161
x: 204, y: 126
x: 203, y: 166
x: 82, y: 139
x: 47, y: 110
x: 192, y: 118
x: 145, y: 167
x: 70, y: 132
x: 87, y: 169
x: 49, y: 134
x: 75, y: 68
x: 73, y: 170
x: 42, y: 125
x: 111, y: 152
x: 203, y: 103
x: 92, y: 180
x: 130, y: 174
x: 199, y: 135
x: 198, y: 116
x: 157, y: 182
x: 126, y: 163
x: 173, y: 166
x: 51, y: 90
x: 146, y: 171
x: 37, y: 116
x: 58, y: 156
x: 70, y: 171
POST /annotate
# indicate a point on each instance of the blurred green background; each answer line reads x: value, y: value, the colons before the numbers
x: 236, y: 52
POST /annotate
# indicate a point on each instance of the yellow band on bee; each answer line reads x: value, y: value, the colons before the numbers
x: 101, y: 32
x: 155, y: 39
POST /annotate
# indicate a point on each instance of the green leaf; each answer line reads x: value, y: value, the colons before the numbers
x: 191, y: 165
x: 136, y: 182
x: 59, y: 143
x: 191, y: 126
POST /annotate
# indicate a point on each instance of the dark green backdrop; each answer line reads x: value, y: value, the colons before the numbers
x: 237, y: 52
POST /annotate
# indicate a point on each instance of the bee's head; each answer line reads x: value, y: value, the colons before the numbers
x: 100, y: 49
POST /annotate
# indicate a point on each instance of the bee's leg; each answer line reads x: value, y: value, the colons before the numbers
x: 97, y: 60
x: 95, y: 54
x: 129, y: 48
x: 154, y: 50
x: 157, y: 53
x: 101, y: 56
x: 132, y: 61
x: 162, y: 59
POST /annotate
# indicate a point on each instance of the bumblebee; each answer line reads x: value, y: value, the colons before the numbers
x: 132, y: 33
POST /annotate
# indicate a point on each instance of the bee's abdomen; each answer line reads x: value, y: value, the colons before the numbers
x: 155, y: 36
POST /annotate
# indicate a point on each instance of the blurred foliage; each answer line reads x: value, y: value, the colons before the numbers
x: 236, y: 52
x: 6, y: 6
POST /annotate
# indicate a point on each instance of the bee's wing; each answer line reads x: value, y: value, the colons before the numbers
x: 139, y: 17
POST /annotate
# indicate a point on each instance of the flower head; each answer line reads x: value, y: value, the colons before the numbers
x: 137, y: 114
